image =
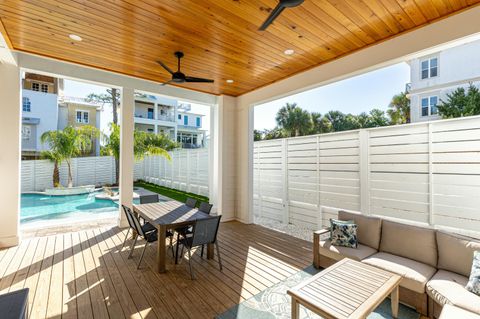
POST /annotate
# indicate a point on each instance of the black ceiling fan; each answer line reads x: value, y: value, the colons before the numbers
x: 282, y: 4
x: 179, y: 77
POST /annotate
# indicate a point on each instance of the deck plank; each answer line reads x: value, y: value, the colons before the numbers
x: 87, y: 274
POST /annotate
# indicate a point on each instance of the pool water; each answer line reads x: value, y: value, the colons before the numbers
x: 39, y: 207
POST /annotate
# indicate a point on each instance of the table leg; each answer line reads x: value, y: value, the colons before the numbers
x: 295, y: 309
x: 394, y: 298
x: 210, y: 251
x: 161, y: 251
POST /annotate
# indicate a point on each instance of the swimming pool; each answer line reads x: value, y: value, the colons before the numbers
x: 44, y: 208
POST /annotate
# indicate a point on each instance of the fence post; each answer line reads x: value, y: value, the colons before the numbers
x: 319, y: 204
x: 286, y: 208
x: 364, y: 145
x: 430, y: 176
x: 188, y: 171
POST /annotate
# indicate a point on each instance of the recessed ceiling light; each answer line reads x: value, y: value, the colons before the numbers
x: 75, y: 37
x: 229, y: 81
x: 288, y: 52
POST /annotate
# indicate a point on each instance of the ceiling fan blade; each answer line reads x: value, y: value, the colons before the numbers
x: 165, y: 67
x: 194, y: 79
x: 273, y: 15
x: 165, y: 83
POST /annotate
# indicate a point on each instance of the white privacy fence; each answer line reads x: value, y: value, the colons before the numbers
x: 427, y: 173
x: 187, y: 171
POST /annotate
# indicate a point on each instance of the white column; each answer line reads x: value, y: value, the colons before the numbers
x: 10, y: 103
x: 126, y: 151
x: 155, y: 111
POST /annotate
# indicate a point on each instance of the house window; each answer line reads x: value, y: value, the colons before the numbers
x: 150, y: 130
x: 185, y: 120
x: 26, y: 132
x: 26, y: 105
x: 179, y: 116
x: 35, y: 86
x: 150, y: 113
x: 82, y: 117
x: 198, y: 122
x: 44, y: 88
x: 429, y: 68
x: 429, y: 105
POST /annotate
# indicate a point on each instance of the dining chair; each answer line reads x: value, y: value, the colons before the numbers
x: 191, y: 202
x: 204, y: 233
x: 150, y: 198
x: 205, y: 208
x: 148, y: 237
x: 146, y: 228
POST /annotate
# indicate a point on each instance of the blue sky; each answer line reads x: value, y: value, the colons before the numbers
x: 355, y: 95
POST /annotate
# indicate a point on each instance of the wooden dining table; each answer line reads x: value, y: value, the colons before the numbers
x: 169, y: 215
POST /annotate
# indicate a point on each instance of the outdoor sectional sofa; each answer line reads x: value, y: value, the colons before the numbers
x: 435, y: 265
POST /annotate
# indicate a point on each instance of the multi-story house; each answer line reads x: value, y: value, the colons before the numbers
x: 163, y: 115
x: 39, y: 111
x: 77, y: 112
x: 435, y: 75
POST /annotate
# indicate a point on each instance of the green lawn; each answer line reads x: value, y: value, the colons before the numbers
x: 170, y: 192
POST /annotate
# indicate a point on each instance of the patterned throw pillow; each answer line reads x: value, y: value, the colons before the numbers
x: 338, y: 222
x: 344, y: 235
x: 473, y: 284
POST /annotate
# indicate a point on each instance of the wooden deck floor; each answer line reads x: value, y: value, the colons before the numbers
x: 86, y: 274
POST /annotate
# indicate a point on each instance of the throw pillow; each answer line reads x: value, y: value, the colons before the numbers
x: 473, y: 284
x: 338, y: 222
x: 344, y: 235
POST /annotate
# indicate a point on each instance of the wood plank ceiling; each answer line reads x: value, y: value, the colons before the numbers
x: 220, y: 38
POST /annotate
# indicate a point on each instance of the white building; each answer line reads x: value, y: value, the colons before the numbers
x: 163, y: 115
x: 434, y: 76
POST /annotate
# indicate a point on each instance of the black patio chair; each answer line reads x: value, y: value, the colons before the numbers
x: 191, y: 202
x: 147, y: 199
x: 146, y: 227
x: 205, y: 208
x: 148, y: 237
x: 204, y: 233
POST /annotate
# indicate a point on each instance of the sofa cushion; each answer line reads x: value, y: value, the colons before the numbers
x: 369, y: 228
x: 344, y: 235
x: 415, y: 274
x: 447, y: 287
x: 408, y: 241
x: 452, y: 312
x: 455, y: 252
x: 339, y: 252
x: 473, y: 284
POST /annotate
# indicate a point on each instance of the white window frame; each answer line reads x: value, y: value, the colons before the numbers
x: 82, y: 120
x: 36, y: 84
x: 429, y: 106
x: 26, y: 101
x: 428, y: 60
x: 42, y: 86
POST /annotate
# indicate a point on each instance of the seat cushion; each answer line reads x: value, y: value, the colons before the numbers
x: 452, y: 312
x: 369, y: 228
x: 416, y: 243
x: 447, y: 287
x: 455, y: 252
x: 339, y: 252
x: 415, y: 274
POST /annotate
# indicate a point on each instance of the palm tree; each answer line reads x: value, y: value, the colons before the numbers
x: 66, y: 144
x: 294, y: 120
x: 399, y: 109
x: 144, y: 144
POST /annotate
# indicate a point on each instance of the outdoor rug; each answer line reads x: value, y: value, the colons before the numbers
x: 274, y: 303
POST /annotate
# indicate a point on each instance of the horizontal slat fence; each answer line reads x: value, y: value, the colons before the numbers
x: 427, y: 173
x: 187, y: 171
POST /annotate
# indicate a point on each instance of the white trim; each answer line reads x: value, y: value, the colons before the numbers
x: 429, y: 59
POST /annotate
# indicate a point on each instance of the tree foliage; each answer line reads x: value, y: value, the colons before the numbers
x: 460, y: 103
x: 399, y: 109
x: 66, y: 144
x: 294, y: 120
x: 111, y: 97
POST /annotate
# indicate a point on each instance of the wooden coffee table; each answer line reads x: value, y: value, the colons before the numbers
x: 348, y: 289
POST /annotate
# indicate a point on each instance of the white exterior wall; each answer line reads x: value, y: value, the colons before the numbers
x: 44, y: 106
x: 457, y: 66
x: 192, y: 120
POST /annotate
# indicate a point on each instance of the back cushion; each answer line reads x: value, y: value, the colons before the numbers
x: 411, y: 242
x: 455, y: 252
x: 369, y: 228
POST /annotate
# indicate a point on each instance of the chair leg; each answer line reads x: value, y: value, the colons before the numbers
x: 192, y: 275
x: 125, y: 240
x: 132, y: 247
x: 176, y: 253
x: 219, y: 258
x: 143, y: 253
x: 171, y: 246
x: 201, y: 255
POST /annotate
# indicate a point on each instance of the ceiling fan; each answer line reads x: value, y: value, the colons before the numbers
x: 282, y: 4
x: 178, y: 76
